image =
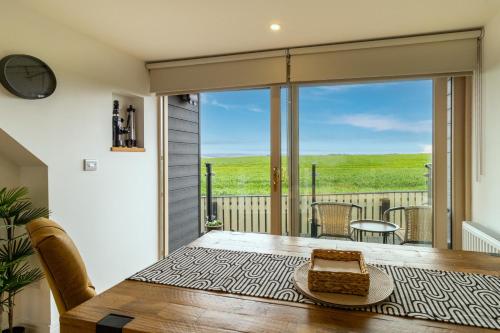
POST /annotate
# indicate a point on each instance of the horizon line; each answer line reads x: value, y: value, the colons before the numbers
x: 219, y: 155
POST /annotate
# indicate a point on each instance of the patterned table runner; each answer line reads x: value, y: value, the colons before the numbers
x: 453, y: 297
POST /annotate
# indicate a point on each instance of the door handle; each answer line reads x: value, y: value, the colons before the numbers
x: 276, y: 178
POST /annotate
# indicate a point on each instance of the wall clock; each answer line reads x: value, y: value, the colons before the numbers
x: 27, y: 77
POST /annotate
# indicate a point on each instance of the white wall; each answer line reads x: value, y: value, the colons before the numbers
x: 9, y: 173
x: 111, y: 214
x: 30, y: 313
x: 19, y: 168
x: 486, y: 192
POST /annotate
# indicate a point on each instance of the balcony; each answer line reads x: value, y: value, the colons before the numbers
x: 251, y: 213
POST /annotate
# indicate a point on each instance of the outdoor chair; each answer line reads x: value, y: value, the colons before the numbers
x: 418, y: 224
x: 335, y: 218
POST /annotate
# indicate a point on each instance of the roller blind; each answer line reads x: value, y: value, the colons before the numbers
x: 216, y: 73
x: 400, y: 57
x: 429, y: 55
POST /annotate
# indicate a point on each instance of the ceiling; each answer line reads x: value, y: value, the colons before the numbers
x: 172, y: 29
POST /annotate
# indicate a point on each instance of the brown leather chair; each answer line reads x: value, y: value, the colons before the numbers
x: 62, y: 264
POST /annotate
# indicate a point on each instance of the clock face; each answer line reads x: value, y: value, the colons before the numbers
x: 27, y: 77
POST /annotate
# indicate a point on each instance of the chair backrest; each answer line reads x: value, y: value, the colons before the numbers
x: 334, y: 218
x: 62, y: 264
x: 418, y: 224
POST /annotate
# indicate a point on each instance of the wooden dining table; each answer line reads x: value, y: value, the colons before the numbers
x: 163, y: 308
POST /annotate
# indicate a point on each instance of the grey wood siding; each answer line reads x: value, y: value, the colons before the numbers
x: 183, y: 172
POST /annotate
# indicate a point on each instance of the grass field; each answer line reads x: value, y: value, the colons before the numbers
x: 335, y: 173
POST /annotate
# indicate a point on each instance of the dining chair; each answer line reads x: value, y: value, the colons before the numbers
x: 335, y: 218
x: 417, y: 228
x: 62, y: 264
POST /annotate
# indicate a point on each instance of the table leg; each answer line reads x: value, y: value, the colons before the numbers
x: 393, y: 238
x: 361, y: 235
x: 385, y: 237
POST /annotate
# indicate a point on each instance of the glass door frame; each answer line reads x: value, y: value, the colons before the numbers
x: 275, y: 165
x: 275, y: 179
x: 440, y: 168
x: 440, y: 163
x: 460, y: 180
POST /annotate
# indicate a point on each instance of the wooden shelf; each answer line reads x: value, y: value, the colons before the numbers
x: 124, y: 100
x: 128, y: 150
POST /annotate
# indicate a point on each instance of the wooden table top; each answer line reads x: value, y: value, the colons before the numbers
x: 161, y: 308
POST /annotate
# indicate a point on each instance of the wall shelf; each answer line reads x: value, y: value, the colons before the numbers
x: 128, y: 150
x: 124, y: 101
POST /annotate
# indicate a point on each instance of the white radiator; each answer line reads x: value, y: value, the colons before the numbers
x: 474, y: 239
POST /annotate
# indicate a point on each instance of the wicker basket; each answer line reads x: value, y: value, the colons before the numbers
x: 339, y: 282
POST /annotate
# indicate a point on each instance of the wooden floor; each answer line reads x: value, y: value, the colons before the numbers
x: 160, y: 308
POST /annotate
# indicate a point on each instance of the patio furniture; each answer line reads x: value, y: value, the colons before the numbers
x: 335, y: 218
x: 418, y: 224
x: 380, y: 227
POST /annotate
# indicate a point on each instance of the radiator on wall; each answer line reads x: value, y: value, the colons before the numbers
x: 476, y: 239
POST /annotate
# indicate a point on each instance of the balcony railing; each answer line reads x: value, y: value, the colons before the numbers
x: 252, y: 213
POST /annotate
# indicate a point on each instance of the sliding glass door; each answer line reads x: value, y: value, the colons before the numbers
x: 365, y: 161
x: 240, y: 142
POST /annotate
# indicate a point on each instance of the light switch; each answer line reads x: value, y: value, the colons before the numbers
x: 89, y: 165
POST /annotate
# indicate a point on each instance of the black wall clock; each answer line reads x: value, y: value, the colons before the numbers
x: 27, y: 77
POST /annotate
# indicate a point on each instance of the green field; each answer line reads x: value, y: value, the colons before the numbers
x: 336, y: 173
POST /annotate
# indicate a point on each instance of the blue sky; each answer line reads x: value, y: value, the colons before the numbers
x: 374, y: 118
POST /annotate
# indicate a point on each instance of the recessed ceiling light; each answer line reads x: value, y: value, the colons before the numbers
x: 275, y: 27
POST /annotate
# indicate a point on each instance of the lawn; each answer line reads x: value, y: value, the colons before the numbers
x: 335, y: 173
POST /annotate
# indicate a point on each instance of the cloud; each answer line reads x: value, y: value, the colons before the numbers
x: 382, y: 123
x: 427, y: 149
x: 325, y: 90
x: 230, y: 107
x: 344, y: 87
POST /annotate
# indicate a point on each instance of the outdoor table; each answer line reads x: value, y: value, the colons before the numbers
x: 377, y: 226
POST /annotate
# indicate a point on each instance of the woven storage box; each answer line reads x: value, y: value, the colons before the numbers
x: 339, y: 282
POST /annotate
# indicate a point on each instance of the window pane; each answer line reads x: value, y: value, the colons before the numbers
x: 235, y: 140
x: 371, y: 145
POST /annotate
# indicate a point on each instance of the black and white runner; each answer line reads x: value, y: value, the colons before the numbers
x: 453, y: 297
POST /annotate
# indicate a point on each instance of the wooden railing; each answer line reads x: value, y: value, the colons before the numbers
x: 251, y: 213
